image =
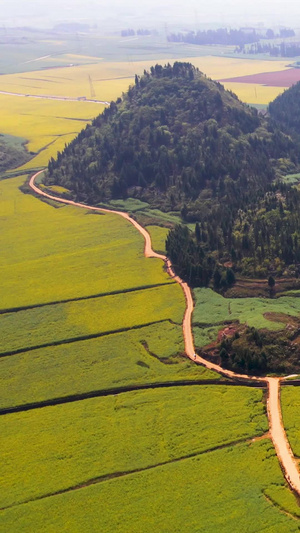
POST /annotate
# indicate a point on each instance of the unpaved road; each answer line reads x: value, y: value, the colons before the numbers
x: 277, y: 432
x: 60, y: 98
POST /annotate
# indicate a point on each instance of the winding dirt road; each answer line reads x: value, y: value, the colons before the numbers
x: 277, y: 432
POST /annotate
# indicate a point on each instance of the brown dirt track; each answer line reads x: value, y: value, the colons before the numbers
x: 277, y: 432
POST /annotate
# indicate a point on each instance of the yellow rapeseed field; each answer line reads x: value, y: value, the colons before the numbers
x: 253, y: 93
x: 50, y: 254
x: 109, y: 80
x: 42, y: 122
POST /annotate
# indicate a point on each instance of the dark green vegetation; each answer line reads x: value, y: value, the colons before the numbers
x: 183, y: 144
x: 12, y: 152
x: 285, y: 110
x: 253, y: 351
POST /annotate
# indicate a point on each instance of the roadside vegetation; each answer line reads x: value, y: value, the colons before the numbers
x: 290, y: 404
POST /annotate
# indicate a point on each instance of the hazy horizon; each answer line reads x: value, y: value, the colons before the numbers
x: 117, y: 13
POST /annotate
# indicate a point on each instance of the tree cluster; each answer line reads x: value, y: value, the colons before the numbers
x: 223, y: 36
x: 275, y: 50
x: 259, y: 352
x: 285, y: 110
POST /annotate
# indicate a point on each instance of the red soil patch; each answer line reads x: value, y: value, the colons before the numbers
x: 281, y: 78
x: 227, y: 332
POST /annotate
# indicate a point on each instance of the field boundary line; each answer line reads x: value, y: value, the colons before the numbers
x: 103, y: 393
x: 279, y: 438
x: 81, y: 298
x: 279, y: 507
x: 60, y: 98
x: 71, y: 340
x: 117, y: 475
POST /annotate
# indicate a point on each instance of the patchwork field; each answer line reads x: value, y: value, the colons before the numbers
x: 130, y: 359
x: 113, y: 448
x: 192, y: 495
x: 133, y: 431
x: 253, y: 93
x: 283, y: 78
x: 90, y: 317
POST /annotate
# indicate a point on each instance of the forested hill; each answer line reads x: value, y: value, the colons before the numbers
x: 176, y: 137
x: 181, y: 142
x: 285, y: 110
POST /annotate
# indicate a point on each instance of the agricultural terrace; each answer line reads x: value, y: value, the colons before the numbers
x: 96, y: 266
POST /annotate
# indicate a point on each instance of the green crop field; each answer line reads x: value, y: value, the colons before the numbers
x: 290, y: 403
x: 136, y: 357
x: 158, y: 238
x: 55, y: 323
x: 212, y: 309
x: 77, y: 442
x: 221, y: 491
x: 50, y: 254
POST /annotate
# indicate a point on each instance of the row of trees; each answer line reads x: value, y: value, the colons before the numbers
x: 253, y: 351
x: 142, y: 31
x: 223, y: 36
x: 275, y: 50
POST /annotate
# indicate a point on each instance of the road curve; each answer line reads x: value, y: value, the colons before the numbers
x: 277, y: 432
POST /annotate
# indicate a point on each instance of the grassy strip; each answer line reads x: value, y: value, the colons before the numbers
x: 58, y: 447
x: 158, y: 237
x: 220, y: 491
x: 86, y: 318
x: 91, y: 297
x: 290, y: 402
x: 283, y: 499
